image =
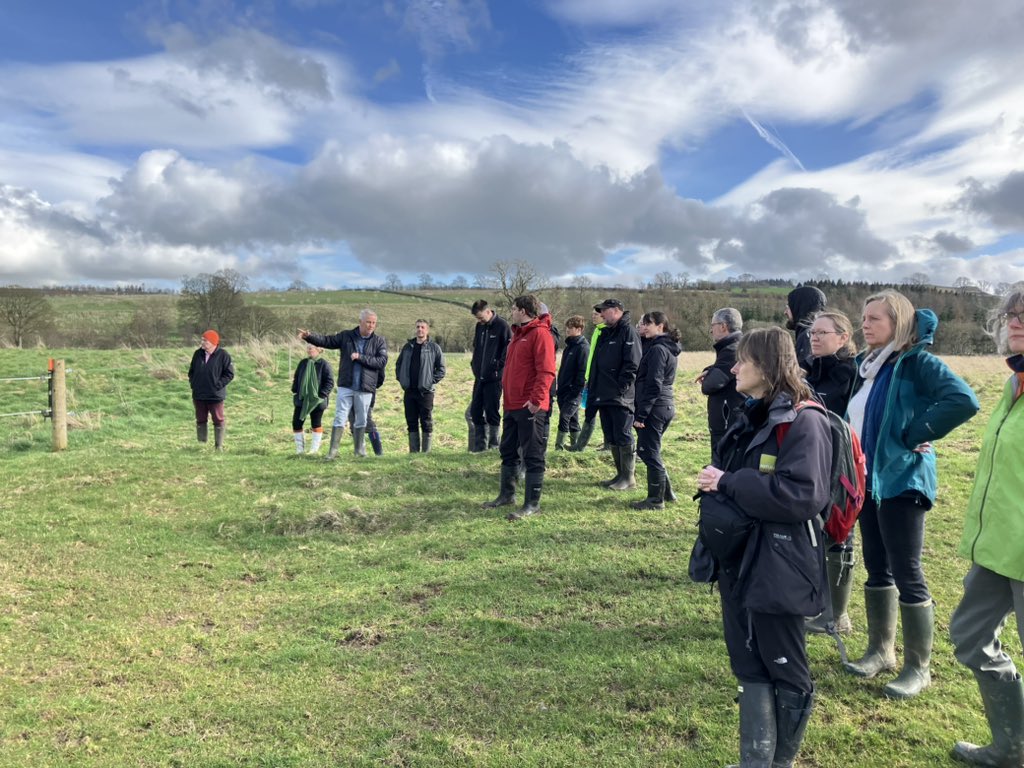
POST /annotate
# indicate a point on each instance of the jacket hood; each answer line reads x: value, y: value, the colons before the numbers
x: 805, y: 300
x: 674, y: 347
x: 927, y: 323
x: 543, y: 321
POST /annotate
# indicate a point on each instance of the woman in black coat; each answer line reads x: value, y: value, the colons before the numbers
x: 311, y: 391
x: 772, y: 483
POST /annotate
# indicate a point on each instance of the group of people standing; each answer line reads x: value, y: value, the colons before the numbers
x: 786, y: 576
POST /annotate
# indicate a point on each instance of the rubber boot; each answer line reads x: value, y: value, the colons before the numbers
x: 560, y: 440
x: 318, y: 438
x: 531, y: 506
x: 918, y: 631
x: 670, y: 495
x: 618, y: 468
x: 378, y: 446
x: 1004, y: 710
x: 493, y: 436
x: 336, y: 433
x: 627, y: 460
x: 300, y: 443
x: 471, y: 427
x: 425, y: 445
x: 414, y: 442
x: 574, y: 438
x: 507, y: 490
x: 479, y: 438
x: 880, y: 607
x: 584, y: 436
x: 218, y: 437
x: 792, y: 711
x: 202, y: 433
x: 655, y: 492
x: 757, y: 725
x: 839, y: 567
x: 359, y: 441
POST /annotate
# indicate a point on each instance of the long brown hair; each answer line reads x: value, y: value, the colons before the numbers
x: 772, y: 351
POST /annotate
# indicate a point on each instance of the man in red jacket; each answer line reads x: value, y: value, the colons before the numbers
x: 526, y: 386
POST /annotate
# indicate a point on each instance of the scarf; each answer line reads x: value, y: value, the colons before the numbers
x: 309, y: 389
x: 868, y: 406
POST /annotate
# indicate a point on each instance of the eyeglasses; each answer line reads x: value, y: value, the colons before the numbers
x: 821, y: 333
x: 1006, y: 317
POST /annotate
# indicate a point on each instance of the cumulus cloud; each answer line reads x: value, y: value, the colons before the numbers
x: 1002, y: 202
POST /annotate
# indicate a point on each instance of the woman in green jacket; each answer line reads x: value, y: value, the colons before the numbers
x: 994, y: 542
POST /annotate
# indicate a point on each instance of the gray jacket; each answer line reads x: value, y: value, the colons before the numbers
x: 432, y: 368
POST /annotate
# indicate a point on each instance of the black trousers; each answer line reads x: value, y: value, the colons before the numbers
x: 892, y: 540
x: 648, y: 439
x: 485, y: 406
x: 316, y: 417
x: 616, y: 424
x: 419, y: 410
x: 569, y: 414
x: 526, y: 433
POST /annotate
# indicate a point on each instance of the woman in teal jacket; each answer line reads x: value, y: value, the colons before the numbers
x: 994, y: 542
x: 904, y: 399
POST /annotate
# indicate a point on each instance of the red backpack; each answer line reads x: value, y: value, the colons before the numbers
x: 849, y: 473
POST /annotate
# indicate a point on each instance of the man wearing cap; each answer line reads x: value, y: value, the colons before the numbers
x: 209, y: 374
x: 526, y: 383
x: 363, y: 356
x: 611, y: 388
x: 490, y: 342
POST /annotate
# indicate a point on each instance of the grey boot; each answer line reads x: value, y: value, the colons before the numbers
x: 918, y: 631
x: 1004, y: 710
x: 414, y: 442
x: 531, y: 506
x: 479, y: 438
x: 655, y: 492
x: 218, y: 437
x: 584, y: 437
x: 618, y: 468
x: 507, y: 491
x: 359, y: 441
x: 757, y: 725
x: 792, y: 711
x: 202, y: 433
x: 336, y: 433
x: 880, y: 607
x: 493, y: 436
x: 425, y: 446
x: 839, y: 566
x: 378, y: 446
x: 560, y: 440
x: 627, y: 460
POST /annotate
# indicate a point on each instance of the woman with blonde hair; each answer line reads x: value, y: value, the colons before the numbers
x: 905, y: 398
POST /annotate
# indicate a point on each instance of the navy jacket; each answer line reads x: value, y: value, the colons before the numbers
x: 572, y: 373
x: 615, y: 364
x: 373, y: 359
x: 719, y: 385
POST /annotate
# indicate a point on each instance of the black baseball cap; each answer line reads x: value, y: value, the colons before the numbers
x: 609, y: 304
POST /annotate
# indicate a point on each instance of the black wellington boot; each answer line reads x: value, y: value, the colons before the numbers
x: 792, y: 711
x: 414, y: 442
x: 534, y: 485
x: 507, y: 490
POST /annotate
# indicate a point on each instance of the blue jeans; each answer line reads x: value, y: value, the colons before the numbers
x: 350, y: 399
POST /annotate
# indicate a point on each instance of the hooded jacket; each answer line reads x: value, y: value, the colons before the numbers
x: 432, y: 368
x: 490, y: 342
x: 656, y: 375
x: 615, y: 361
x: 804, y: 301
x: 925, y: 402
x: 572, y: 373
x: 529, y: 365
x: 831, y: 377
x: 719, y: 385
x: 373, y: 358
x: 209, y: 378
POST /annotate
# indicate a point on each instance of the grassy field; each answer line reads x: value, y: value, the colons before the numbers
x: 163, y: 605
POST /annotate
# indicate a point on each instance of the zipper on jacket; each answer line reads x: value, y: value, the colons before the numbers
x: 988, y: 482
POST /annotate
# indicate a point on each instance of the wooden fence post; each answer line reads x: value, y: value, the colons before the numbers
x: 59, y: 407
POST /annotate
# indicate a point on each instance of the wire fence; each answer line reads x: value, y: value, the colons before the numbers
x: 44, y: 412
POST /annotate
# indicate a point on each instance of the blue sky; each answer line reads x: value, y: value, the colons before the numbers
x: 337, y: 141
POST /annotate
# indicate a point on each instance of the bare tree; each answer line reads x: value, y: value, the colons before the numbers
x: 260, y: 322
x: 682, y: 279
x: 214, y: 301
x: 963, y: 282
x: 25, y: 311
x: 985, y: 286
x: 515, y: 278
x: 583, y: 284
x: 426, y: 281
x: 459, y: 282
x: 662, y: 281
x: 392, y: 283
x: 917, y: 279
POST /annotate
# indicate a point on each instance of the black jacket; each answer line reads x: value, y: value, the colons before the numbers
x: 804, y: 301
x: 490, y: 342
x: 432, y: 368
x: 719, y: 385
x: 832, y: 378
x: 572, y: 372
x: 656, y: 375
x: 785, y: 487
x: 616, y: 361
x: 209, y: 379
x: 324, y: 375
x: 373, y: 359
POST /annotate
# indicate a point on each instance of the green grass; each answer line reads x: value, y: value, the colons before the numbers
x: 167, y: 606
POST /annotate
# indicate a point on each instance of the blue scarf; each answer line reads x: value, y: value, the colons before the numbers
x: 874, y: 409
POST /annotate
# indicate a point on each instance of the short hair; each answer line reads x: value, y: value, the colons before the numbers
x: 996, y: 327
x: 576, y: 321
x: 842, y: 325
x: 901, y: 313
x: 528, y: 303
x: 772, y: 351
x: 425, y: 322
x: 366, y: 313
x: 478, y: 306
x: 729, y: 317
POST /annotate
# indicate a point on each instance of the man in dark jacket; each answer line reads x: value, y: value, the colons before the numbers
x: 363, y: 355
x: 612, y: 388
x: 526, y: 384
x: 419, y: 368
x: 801, y: 305
x: 489, y: 344
x: 572, y: 377
x: 717, y: 382
x: 209, y: 374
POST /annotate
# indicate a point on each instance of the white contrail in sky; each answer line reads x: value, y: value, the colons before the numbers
x: 773, y: 140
